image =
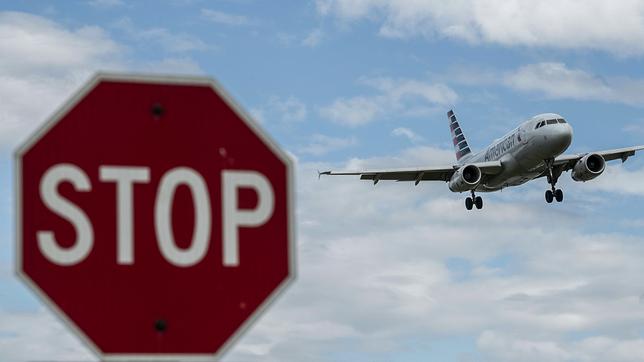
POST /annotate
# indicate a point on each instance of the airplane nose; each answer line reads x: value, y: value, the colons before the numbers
x: 562, y: 138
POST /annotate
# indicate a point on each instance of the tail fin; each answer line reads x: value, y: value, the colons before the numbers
x: 458, y: 138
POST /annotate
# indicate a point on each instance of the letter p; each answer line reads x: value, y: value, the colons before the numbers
x: 234, y: 218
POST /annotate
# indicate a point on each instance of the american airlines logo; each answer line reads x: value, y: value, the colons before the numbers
x: 458, y: 139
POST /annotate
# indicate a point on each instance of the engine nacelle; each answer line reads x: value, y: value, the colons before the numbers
x: 589, y: 167
x: 466, y: 178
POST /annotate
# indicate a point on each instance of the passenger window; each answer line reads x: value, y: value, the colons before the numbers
x: 561, y: 120
x: 551, y: 121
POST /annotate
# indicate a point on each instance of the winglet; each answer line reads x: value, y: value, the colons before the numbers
x: 323, y: 173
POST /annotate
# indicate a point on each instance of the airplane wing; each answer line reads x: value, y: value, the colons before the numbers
x: 567, y: 162
x: 417, y: 174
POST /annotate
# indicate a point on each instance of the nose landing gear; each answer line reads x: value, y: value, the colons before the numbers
x: 554, y: 194
x: 553, y: 176
x: 474, y: 201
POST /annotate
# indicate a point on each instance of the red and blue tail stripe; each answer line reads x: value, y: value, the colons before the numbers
x: 458, y: 138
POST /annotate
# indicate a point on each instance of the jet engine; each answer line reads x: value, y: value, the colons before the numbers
x: 466, y: 178
x: 588, y: 167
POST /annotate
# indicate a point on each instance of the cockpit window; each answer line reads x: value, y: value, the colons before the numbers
x: 550, y: 121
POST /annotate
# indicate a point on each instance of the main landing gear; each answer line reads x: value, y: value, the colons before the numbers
x: 553, y: 176
x: 474, y: 200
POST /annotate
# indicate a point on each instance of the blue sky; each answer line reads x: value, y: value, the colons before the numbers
x: 393, y: 272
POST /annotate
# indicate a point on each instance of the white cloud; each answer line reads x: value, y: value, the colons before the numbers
x: 619, y: 179
x: 167, y: 39
x: 400, y: 89
x: 407, y: 133
x: 284, y: 109
x: 221, y: 17
x: 321, y: 144
x: 33, y: 43
x: 354, y: 111
x: 290, y: 109
x: 313, y: 39
x: 396, y: 97
x: 557, y: 80
x: 503, y: 347
x: 512, y: 349
x: 614, y: 27
x: 410, y: 157
x: 31, y: 336
x: 45, y: 61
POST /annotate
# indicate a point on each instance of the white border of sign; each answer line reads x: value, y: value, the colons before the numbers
x: 164, y: 79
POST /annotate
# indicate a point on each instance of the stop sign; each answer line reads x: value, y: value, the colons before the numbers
x: 154, y: 217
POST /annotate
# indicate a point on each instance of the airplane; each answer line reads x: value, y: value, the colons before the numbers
x: 532, y: 150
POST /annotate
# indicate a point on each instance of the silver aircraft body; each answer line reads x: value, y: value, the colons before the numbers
x: 532, y: 150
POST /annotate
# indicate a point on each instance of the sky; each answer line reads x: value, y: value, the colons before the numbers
x: 394, y: 272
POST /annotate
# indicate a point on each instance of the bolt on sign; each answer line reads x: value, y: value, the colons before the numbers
x: 154, y: 217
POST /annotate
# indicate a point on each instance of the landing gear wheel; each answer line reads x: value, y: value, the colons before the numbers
x: 478, y: 201
x: 549, y: 196
x: 552, y: 176
x: 468, y: 203
x: 559, y: 195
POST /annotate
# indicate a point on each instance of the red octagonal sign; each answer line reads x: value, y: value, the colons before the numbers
x: 154, y: 217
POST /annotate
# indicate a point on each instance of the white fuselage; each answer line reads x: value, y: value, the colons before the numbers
x: 523, y: 151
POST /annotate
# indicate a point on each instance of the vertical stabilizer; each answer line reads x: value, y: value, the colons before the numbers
x: 458, y: 138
